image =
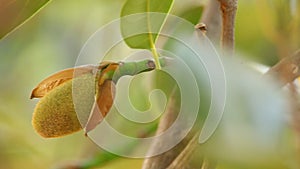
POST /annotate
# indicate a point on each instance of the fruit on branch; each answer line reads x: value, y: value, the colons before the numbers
x: 55, y: 114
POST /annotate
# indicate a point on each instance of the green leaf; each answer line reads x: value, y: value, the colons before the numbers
x: 253, y: 130
x: 14, y: 13
x: 193, y: 15
x: 143, y: 22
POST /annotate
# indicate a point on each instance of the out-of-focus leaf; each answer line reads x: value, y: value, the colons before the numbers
x: 147, y: 22
x: 99, y: 160
x: 251, y: 133
x: 193, y: 14
x: 15, y: 12
x: 250, y: 38
x: 280, y: 24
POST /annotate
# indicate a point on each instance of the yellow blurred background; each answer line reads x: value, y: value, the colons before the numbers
x: 51, y: 40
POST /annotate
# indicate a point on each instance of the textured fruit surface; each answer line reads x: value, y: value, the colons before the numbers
x: 55, y: 116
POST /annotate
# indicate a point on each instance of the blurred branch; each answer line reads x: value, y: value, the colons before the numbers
x: 287, y: 69
x: 162, y: 161
x: 207, y: 164
x: 211, y: 17
x: 174, y: 156
x: 228, y: 11
x: 185, y: 156
x: 186, y: 147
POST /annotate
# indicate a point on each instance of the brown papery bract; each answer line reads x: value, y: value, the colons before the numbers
x: 105, y: 97
x: 63, y: 76
x: 57, y: 79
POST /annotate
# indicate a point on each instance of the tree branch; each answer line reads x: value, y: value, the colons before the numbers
x: 228, y: 11
x: 186, y: 147
x: 163, y: 160
x: 287, y: 69
x: 186, y: 154
x: 211, y: 17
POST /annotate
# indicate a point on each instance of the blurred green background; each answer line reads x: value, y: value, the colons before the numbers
x: 51, y: 40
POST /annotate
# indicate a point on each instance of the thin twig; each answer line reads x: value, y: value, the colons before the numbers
x: 163, y: 160
x: 228, y: 10
x: 185, y: 147
x: 211, y: 17
x: 207, y: 164
x: 286, y: 70
x: 186, y: 154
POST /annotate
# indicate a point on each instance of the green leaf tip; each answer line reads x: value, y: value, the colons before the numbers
x: 141, y: 30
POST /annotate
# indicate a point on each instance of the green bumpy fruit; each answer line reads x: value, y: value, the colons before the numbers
x: 55, y: 115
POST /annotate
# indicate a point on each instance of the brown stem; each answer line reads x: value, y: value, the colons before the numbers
x: 185, y: 156
x: 207, y: 164
x: 186, y: 147
x: 287, y: 69
x: 211, y: 17
x: 228, y: 11
x: 163, y: 160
